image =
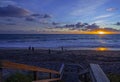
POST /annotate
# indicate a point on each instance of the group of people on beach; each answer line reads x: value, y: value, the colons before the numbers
x: 31, y: 48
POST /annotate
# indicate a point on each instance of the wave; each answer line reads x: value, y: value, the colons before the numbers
x: 55, y: 41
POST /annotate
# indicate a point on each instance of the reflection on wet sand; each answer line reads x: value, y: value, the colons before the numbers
x: 102, y: 49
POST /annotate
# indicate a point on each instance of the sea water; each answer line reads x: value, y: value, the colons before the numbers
x: 73, y: 41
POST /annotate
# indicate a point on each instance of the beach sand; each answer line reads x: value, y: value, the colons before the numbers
x: 108, y: 60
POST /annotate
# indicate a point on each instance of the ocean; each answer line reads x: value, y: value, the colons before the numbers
x: 71, y: 41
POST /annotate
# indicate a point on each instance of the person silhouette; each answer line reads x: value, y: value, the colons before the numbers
x: 29, y: 48
x: 33, y: 49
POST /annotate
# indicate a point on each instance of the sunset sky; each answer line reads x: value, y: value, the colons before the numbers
x: 58, y: 16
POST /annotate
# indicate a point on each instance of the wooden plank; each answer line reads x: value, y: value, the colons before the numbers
x: 11, y: 65
x: 47, y: 80
x: 97, y: 74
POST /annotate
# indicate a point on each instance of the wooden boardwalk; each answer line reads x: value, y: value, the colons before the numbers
x: 71, y: 73
x: 66, y: 73
x: 97, y: 74
x: 71, y: 77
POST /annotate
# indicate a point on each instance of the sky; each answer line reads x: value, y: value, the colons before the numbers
x: 58, y: 16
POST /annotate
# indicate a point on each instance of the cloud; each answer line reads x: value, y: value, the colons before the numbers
x: 112, y: 29
x: 103, y: 16
x: 111, y: 9
x: 41, y: 18
x: 55, y: 23
x: 35, y: 15
x: 118, y: 24
x: 46, y: 16
x: 79, y: 26
x: 8, y: 19
x: 30, y: 18
x: 41, y: 15
x: 99, y: 21
x: 85, y: 27
x: 6, y: 3
x: 13, y: 11
x: 92, y: 26
x: 10, y: 23
x: 83, y: 8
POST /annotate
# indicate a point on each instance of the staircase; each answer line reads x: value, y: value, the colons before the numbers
x: 67, y: 72
x: 71, y: 73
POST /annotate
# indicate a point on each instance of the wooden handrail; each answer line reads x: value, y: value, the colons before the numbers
x: 12, y: 65
x: 47, y: 80
x: 8, y: 64
x: 97, y: 75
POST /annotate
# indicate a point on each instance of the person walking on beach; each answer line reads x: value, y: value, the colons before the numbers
x: 33, y: 49
x: 29, y: 48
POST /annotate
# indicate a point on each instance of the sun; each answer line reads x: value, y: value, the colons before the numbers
x: 101, y: 32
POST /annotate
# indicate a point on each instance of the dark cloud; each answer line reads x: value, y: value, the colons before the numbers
x: 82, y: 25
x: 13, y: 11
x: 30, y: 18
x: 10, y: 23
x: 41, y: 15
x: 55, y: 23
x: 118, y: 23
x: 46, y: 16
x: 92, y: 26
x: 41, y: 18
x: 79, y: 26
x: 35, y: 15
x: 69, y: 25
x: 112, y: 29
x: 8, y: 19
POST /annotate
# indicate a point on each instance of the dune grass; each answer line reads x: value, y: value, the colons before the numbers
x: 114, y: 77
x: 19, y: 77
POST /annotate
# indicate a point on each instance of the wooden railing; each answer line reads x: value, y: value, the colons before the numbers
x: 61, y: 71
x: 93, y: 73
x: 97, y: 74
x: 12, y: 65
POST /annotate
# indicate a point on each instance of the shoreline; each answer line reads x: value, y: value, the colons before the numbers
x: 65, y: 48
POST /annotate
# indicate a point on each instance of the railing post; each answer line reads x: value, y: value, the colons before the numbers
x: 50, y: 75
x: 1, y: 79
x: 35, y: 75
x: 85, y: 78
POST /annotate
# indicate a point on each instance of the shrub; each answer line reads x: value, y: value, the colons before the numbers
x: 114, y: 77
x: 19, y: 77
